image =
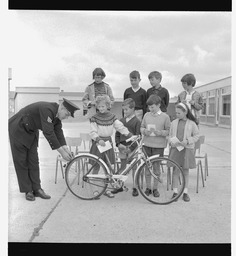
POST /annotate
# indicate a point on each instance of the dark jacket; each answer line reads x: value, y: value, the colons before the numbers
x: 24, y: 126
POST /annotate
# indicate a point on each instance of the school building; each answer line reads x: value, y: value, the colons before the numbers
x: 216, y: 96
x: 217, y: 103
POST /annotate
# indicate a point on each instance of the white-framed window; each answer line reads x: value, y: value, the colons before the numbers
x: 211, y: 102
x: 204, y: 99
x: 226, y: 101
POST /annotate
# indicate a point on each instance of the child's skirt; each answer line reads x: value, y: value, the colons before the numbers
x: 185, y: 158
x: 110, y: 153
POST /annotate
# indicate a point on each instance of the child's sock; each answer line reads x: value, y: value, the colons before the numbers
x: 175, y: 190
x: 186, y: 190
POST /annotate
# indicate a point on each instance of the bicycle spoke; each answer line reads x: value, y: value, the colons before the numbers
x: 78, y: 182
x: 149, y: 177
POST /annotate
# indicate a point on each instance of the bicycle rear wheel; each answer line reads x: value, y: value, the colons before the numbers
x: 85, y: 177
x: 169, y: 171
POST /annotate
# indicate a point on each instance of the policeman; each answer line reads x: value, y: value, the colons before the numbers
x: 24, y: 129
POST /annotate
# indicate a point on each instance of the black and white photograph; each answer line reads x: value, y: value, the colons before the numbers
x: 119, y: 127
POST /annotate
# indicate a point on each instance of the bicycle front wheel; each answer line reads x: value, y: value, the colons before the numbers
x: 85, y: 177
x: 158, y: 177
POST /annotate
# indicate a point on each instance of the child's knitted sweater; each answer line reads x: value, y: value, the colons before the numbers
x: 103, y: 125
x: 162, y: 123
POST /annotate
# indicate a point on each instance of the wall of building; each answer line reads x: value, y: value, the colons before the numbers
x: 27, y: 95
x: 217, y: 103
x: 216, y: 96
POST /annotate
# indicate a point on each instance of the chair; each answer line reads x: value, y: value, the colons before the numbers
x: 73, y: 143
x: 199, y: 157
x: 86, y: 140
x: 117, y: 159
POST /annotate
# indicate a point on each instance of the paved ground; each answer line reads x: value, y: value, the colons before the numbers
x: 65, y: 218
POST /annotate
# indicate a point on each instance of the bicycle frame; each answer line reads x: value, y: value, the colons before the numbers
x: 139, y: 155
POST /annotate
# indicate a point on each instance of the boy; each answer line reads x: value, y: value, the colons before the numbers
x: 191, y: 97
x: 137, y: 93
x: 155, y: 78
x: 133, y: 124
x: 97, y: 88
x: 155, y: 128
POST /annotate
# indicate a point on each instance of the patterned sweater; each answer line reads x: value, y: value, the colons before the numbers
x: 102, y: 125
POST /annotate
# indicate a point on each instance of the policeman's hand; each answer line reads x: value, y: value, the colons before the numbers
x: 65, y: 147
x: 66, y: 156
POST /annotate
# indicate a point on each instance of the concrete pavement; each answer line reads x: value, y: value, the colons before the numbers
x: 65, y: 218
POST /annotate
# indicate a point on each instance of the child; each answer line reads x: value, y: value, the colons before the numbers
x: 191, y: 97
x: 102, y: 124
x: 155, y: 128
x: 184, y: 132
x: 155, y: 78
x: 133, y: 124
x: 137, y: 93
x: 98, y: 87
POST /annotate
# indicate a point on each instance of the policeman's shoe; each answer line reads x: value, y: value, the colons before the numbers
x: 29, y: 196
x: 42, y: 194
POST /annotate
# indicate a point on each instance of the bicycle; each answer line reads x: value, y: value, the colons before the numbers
x: 87, y: 184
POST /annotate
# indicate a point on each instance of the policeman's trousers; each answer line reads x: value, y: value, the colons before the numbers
x: 26, y: 164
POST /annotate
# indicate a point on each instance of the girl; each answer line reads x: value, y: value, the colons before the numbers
x: 98, y: 87
x: 183, y: 135
x: 101, y: 125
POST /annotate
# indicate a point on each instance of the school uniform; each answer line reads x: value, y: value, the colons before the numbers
x: 133, y: 124
x: 140, y: 97
x: 163, y: 93
x: 184, y: 130
x: 24, y: 129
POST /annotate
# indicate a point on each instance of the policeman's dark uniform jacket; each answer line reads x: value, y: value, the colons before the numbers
x: 24, y: 129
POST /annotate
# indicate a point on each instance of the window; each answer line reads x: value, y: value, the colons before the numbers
x: 204, y: 107
x: 226, y: 105
x: 211, y: 106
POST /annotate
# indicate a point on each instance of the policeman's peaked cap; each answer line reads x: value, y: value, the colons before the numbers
x: 70, y: 106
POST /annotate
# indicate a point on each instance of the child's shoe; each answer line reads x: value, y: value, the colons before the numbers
x: 135, y: 192
x: 148, y: 191
x: 174, y: 195
x: 186, y: 197
x: 156, y: 193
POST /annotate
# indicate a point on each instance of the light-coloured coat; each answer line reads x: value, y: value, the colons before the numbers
x: 191, y: 132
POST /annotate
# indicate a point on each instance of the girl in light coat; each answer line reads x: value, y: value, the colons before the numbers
x: 183, y: 134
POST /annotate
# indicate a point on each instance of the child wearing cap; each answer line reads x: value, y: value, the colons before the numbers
x: 98, y: 87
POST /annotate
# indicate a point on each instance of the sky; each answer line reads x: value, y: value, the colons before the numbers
x: 62, y: 48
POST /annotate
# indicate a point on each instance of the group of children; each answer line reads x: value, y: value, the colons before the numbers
x: 144, y: 112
